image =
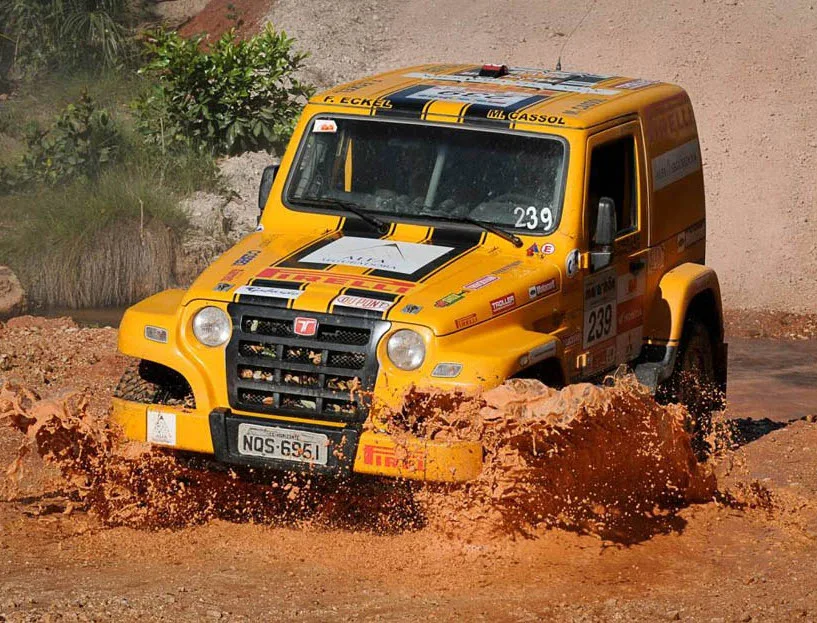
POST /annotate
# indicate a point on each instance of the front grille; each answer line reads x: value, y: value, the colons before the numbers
x: 272, y: 370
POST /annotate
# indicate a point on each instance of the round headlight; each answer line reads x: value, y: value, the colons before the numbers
x: 406, y: 349
x: 211, y: 326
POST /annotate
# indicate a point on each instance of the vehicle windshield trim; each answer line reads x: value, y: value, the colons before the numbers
x: 426, y: 220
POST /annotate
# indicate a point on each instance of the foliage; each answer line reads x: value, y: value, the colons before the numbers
x: 64, y: 34
x: 235, y: 96
x: 82, y: 142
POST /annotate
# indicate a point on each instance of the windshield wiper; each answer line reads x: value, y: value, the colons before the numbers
x: 379, y: 224
x: 489, y: 227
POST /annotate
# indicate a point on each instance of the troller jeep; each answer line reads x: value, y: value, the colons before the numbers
x: 443, y: 225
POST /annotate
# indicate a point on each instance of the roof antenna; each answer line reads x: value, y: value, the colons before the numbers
x: 573, y: 32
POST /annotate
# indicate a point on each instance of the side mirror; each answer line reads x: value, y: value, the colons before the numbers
x: 267, y: 178
x: 601, y: 255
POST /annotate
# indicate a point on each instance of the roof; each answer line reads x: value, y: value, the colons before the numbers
x: 522, y: 95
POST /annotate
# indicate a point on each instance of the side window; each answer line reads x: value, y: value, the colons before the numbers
x: 613, y: 174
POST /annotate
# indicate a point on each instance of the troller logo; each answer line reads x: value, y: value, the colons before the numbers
x: 305, y: 326
x: 501, y: 304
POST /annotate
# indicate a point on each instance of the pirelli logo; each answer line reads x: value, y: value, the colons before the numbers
x: 378, y: 284
x: 388, y: 458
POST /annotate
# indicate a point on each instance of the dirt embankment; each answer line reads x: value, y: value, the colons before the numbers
x: 118, y: 532
x: 750, y: 68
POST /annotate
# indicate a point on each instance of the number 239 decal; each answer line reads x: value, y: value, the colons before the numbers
x: 599, y: 323
x: 533, y: 218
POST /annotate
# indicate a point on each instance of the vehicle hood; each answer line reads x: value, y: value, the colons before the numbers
x: 445, y: 282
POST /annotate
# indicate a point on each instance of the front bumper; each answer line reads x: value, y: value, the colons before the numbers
x: 367, y: 452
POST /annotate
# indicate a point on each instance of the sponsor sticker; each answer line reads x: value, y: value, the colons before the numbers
x: 481, y: 282
x: 466, y: 321
x: 450, y: 299
x: 572, y: 263
x: 222, y: 287
x: 363, y: 302
x: 412, y: 309
x: 507, y: 268
x: 231, y: 275
x: 248, y: 257
x: 276, y: 293
x: 600, y: 292
x: 161, y: 427
x: 499, y: 99
x: 630, y: 286
x: 572, y: 340
x: 378, y: 456
x: 325, y: 126
x: 378, y: 284
x: 542, y: 289
x: 675, y: 164
x: 691, y: 235
x: 501, y: 304
x: 541, y: 250
x: 633, y: 85
x: 656, y: 259
x: 389, y: 255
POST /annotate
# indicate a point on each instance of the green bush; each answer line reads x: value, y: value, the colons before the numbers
x: 235, y: 96
x: 82, y: 142
x: 64, y: 34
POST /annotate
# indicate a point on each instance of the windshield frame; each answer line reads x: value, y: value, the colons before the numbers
x: 425, y: 220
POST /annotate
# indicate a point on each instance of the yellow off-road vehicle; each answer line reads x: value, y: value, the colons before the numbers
x: 443, y: 225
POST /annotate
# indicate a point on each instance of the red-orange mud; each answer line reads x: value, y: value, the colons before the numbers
x: 121, y: 533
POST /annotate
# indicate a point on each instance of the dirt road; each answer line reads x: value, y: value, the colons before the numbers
x: 751, y: 554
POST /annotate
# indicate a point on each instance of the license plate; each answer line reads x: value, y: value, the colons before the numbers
x: 285, y: 444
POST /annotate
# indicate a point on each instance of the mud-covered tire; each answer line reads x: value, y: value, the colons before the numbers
x: 135, y: 388
x: 693, y: 382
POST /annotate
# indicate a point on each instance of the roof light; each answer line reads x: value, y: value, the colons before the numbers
x: 490, y: 70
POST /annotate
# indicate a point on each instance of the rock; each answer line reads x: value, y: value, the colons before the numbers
x: 205, y: 211
x: 12, y: 295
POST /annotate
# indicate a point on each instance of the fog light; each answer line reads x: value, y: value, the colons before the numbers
x: 447, y: 370
x: 156, y: 334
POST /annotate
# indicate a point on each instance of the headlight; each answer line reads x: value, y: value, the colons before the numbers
x: 211, y: 326
x: 406, y: 349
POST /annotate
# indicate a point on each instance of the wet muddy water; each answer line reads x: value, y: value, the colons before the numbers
x: 772, y: 379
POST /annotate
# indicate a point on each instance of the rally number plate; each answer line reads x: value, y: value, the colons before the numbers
x: 284, y: 444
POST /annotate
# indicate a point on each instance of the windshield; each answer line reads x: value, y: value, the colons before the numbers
x: 425, y: 171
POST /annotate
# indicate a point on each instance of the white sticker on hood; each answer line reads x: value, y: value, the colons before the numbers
x: 390, y: 255
x: 276, y: 293
x: 363, y: 302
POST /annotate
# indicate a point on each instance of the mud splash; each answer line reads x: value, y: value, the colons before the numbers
x: 607, y: 461
x: 604, y: 460
x: 125, y: 483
